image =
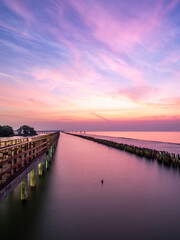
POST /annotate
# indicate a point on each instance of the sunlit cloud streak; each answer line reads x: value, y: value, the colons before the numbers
x: 65, y: 62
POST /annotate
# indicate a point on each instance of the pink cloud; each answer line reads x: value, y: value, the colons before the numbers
x: 21, y: 8
x: 79, y: 89
x: 120, y: 34
x: 99, y: 116
x: 126, y: 70
x: 171, y: 5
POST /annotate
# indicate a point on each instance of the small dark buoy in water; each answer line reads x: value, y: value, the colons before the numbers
x: 102, y: 181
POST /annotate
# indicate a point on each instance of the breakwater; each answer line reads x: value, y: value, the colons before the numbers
x: 152, y: 154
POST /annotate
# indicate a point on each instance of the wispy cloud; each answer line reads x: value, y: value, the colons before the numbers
x: 99, y: 116
x: 66, y: 61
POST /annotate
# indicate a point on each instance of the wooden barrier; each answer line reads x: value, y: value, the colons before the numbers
x: 22, y: 152
x: 12, y: 141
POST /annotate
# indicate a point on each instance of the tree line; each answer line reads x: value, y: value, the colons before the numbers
x: 7, y: 131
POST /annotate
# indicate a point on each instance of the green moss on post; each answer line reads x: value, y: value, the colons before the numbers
x: 40, y: 168
x: 24, y: 188
x: 47, y: 162
x: 33, y: 178
x: 51, y: 154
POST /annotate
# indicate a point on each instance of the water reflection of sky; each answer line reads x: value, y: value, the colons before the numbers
x: 161, y: 146
x: 138, y: 200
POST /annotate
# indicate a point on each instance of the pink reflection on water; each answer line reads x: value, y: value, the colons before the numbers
x: 84, y: 164
x: 172, y: 137
x: 139, y: 197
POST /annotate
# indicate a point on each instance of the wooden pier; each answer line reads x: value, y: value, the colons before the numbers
x: 18, y: 157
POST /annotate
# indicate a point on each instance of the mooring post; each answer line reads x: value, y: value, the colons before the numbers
x: 24, y: 188
x: 33, y: 178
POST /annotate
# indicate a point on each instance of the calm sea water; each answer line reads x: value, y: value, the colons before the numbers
x: 170, y: 137
x: 138, y: 200
x: 162, y: 141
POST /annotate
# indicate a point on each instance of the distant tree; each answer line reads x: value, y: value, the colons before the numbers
x: 6, y: 131
x: 26, y: 131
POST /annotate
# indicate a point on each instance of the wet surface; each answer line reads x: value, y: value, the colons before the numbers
x: 139, y: 199
x: 157, y: 145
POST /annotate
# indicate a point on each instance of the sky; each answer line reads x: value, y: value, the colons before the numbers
x: 90, y: 64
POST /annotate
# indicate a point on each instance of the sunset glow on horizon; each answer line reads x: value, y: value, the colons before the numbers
x: 90, y: 65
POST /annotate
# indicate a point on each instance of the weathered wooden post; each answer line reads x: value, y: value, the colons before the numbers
x: 44, y: 165
x: 33, y: 178
x: 40, y: 168
x: 50, y: 152
x: 24, y: 188
x: 19, y: 150
x: 9, y: 165
x: 47, y: 161
x: 1, y: 167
